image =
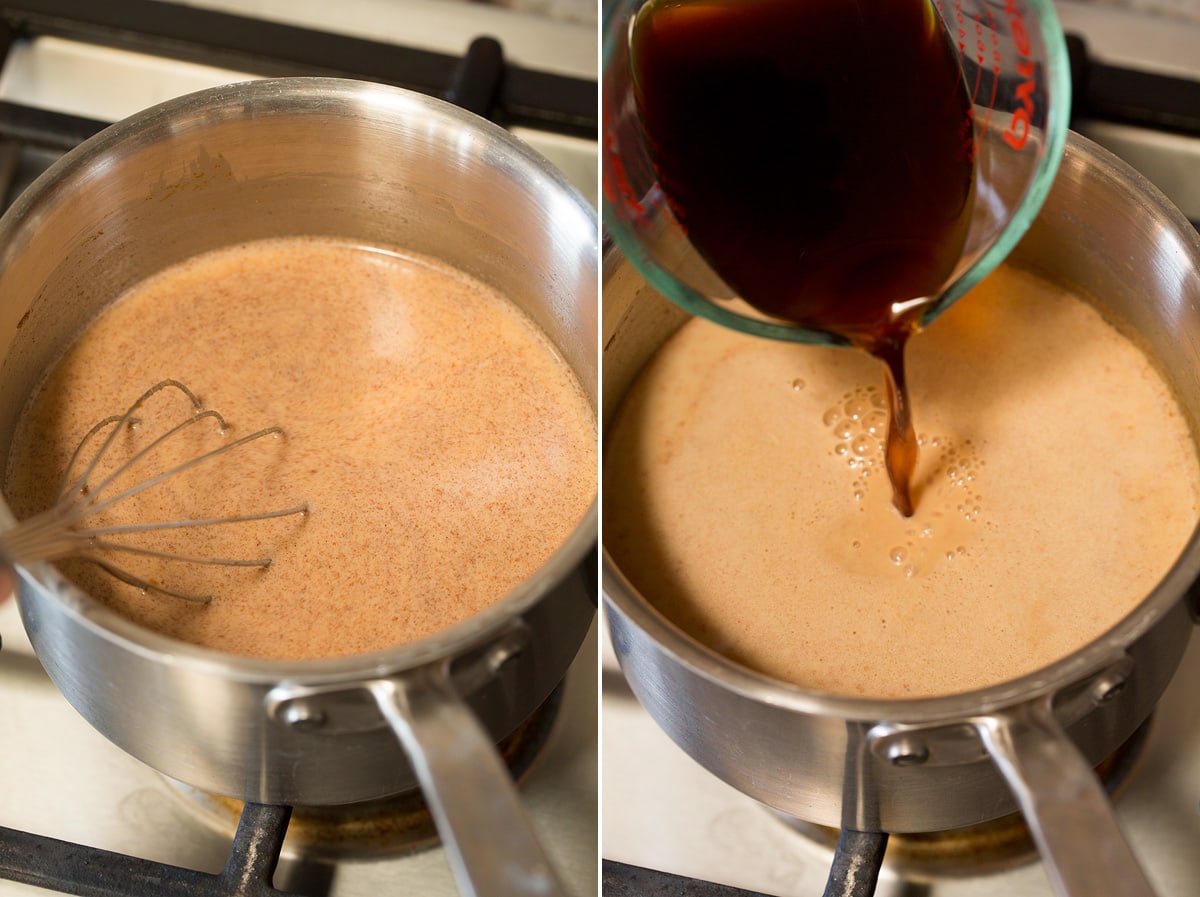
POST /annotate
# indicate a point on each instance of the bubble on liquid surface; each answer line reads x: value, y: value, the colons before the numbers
x: 875, y: 424
x: 860, y: 429
x: 856, y: 409
x: 898, y: 555
x: 798, y: 384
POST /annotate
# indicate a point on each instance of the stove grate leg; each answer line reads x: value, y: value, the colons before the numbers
x: 856, y: 863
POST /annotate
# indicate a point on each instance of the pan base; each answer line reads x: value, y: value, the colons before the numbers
x: 388, y: 827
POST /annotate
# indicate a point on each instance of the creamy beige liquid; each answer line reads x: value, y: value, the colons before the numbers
x: 442, y: 446
x: 745, y: 496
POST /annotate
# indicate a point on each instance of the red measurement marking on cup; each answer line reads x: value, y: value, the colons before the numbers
x: 1017, y: 132
x: 961, y: 18
x: 996, y: 61
x: 978, y: 39
x: 617, y: 188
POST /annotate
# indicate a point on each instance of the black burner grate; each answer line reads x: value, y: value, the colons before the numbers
x: 854, y: 872
x: 480, y: 80
x: 91, y: 872
x: 1127, y: 96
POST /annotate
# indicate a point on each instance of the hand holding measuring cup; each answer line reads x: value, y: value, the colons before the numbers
x: 844, y: 178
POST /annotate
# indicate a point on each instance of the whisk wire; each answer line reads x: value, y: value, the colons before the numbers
x: 107, y: 544
x: 194, y: 522
x: 121, y: 421
x: 66, y: 484
x: 79, y: 500
x: 59, y: 531
x: 95, y: 506
x: 144, y: 585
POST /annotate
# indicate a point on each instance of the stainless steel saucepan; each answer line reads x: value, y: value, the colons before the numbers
x: 343, y: 159
x: 940, y: 763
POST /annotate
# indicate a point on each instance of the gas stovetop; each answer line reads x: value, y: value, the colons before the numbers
x: 60, y: 778
x: 1138, y: 94
x: 69, y: 68
x: 662, y: 811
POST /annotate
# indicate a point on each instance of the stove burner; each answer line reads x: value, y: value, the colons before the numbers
x: 393, y: 826
x: 919, y: 859
x: 260, y: 836
x: 988, y: 847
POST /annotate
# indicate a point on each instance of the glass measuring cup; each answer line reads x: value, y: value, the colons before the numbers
x: 1013, y: 59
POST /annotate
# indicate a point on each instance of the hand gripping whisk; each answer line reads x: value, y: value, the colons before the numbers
x: 69, y: 528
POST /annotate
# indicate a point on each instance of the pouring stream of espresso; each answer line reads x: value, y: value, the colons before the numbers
x: 900, y: 449
x: 856, y: 226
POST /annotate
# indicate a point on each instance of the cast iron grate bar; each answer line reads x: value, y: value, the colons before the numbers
x: 44, y: 129
x: 857, y: 860
x: 1127, y: 96
x: 474, y: 85
x: 621, y: 880
x: 477, y: 77
x: 91, y: 872
x: 524, y: 97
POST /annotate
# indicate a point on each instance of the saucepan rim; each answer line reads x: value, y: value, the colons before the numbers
x: 323, y: 96
x: 621, y: 597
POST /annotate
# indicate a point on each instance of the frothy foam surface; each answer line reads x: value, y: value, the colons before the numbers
x: 445, y: 450
x: 746, y: 497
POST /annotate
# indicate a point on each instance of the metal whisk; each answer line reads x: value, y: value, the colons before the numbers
x: 64, y: 530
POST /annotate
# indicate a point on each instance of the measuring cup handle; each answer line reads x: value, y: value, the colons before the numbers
x: 489, y: 840
x: 1067, y: 811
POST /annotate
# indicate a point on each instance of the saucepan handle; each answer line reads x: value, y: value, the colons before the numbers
x: 489, y: 840
x: 1065, y: 806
